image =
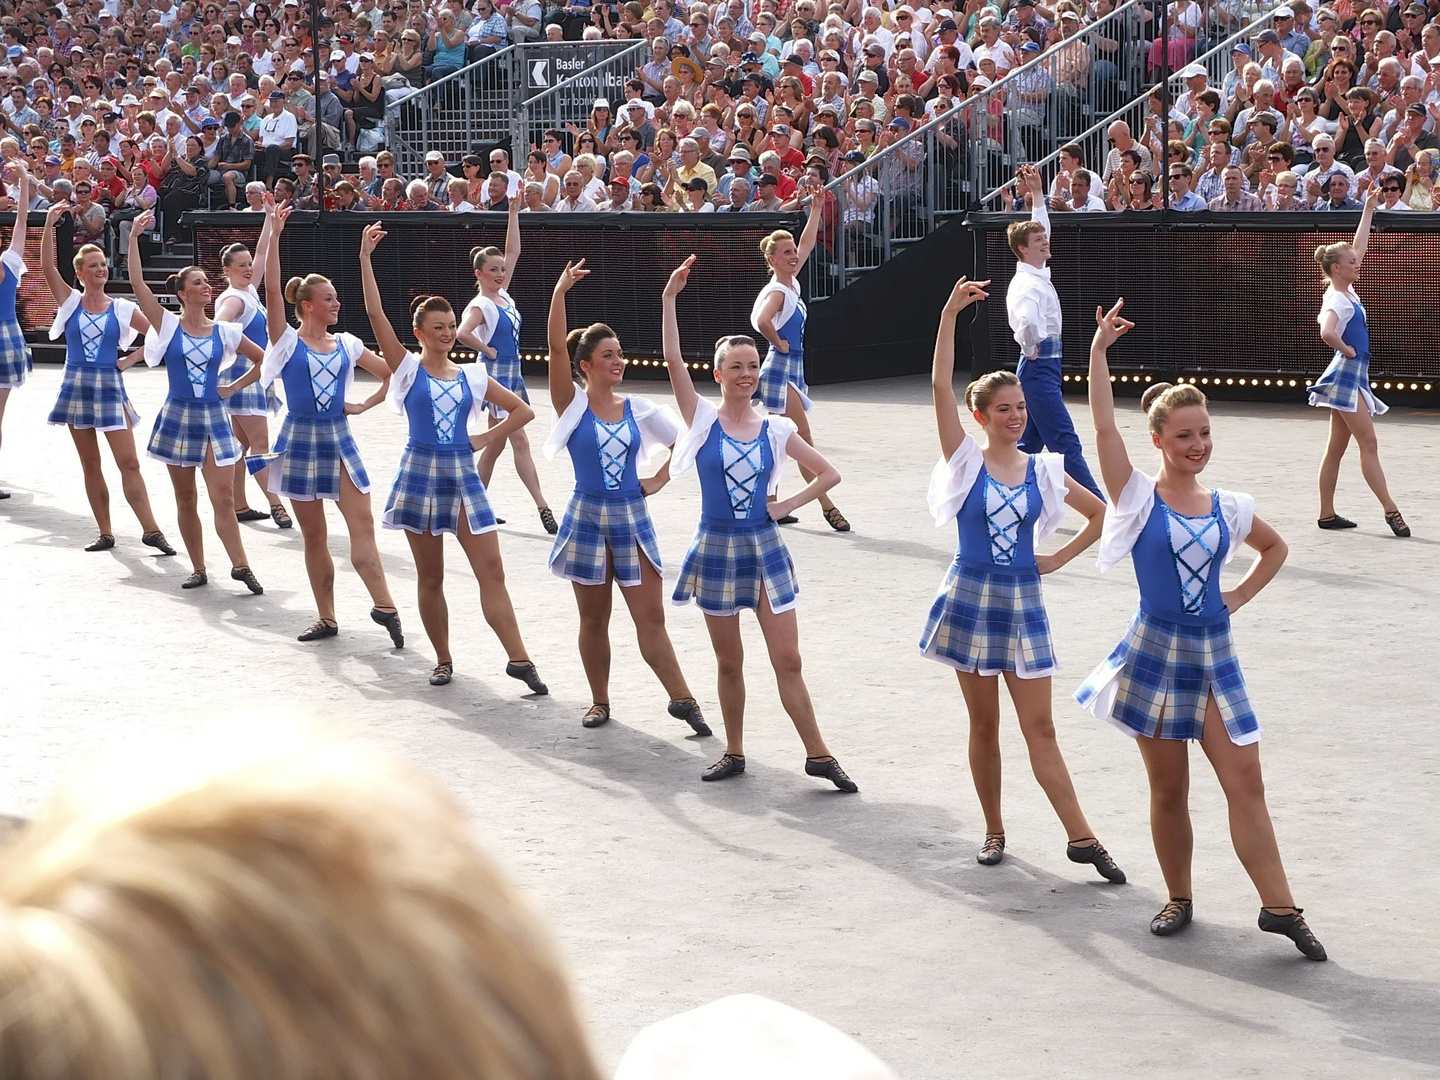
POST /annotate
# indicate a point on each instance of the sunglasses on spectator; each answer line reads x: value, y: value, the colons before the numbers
x: 1391, y: 187
x: 1276, y: 157
x: 1177, y: 176
x: 1138, y: 180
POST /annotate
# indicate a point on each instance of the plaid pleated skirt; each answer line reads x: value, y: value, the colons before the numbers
x: 507, y: 374
x: 15, y: 359
x: 254, y: 400
x: 431, y: 488
x: 778, y: 373
x: 990, y: 618
x: 93, y: 397
x: 1159, y: 678
x: 1344, y: 384
x: 731, y: 564
x: 309, y: 455
x: 599, y: 529
x: 185, y: 430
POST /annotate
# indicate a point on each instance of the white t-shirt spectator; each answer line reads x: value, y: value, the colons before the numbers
x: 274, y: 130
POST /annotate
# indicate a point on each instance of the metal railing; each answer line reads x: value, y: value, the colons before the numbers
x: 569, y: 101
x: 1139, y: 113
x: 942, y: 168
x: 481, y: 103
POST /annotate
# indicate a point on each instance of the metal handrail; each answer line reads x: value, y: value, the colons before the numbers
x: 1223, y: 48
x: 467, y: 70
x: 981, y: 98
x: 568, y: 84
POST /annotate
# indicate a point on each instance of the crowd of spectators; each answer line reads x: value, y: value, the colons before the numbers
x: 120, y: 105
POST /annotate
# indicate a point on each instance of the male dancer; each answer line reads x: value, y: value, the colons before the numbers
x: 1034, y: 312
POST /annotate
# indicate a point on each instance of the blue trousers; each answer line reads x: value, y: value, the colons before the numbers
x: 1049, y: 427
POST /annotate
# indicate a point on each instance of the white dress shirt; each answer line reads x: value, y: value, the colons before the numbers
x: 1031, y: 303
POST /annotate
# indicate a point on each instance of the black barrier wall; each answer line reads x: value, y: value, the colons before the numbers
x: 631, y: 257
x: 1228, y: 294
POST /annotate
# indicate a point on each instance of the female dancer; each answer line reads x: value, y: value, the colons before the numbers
x: 190, y: 431
x: 737, y: 558
x: 779, y: 317
x: 315, y: 456
x: 989, y: 618
x: 15, y: 359
x: 437, y: 489
x: 606, y: 534
x: 1346, y: 382
x: 92, y: 393
x: 249, y: 408
x: 1175, y: 676
x: 491, y: 316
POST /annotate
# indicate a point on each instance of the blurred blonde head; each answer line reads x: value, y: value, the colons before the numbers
x: 286, y: 912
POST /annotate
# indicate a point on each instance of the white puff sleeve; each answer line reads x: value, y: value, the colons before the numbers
x: 687, y: 447
x: 564, y: 423
x: 14, y: 263
x: 158, y: 338
x: 781, y: 431
x: 63, y: 313
x: 401, y: 382
x: 659, y: 427
x: 231, y: 334
x: 951, y: 481
x: 278, y: 355
x: 478, y: 376
x: 1125, y: 518
x: 1050, y: 479
x: 1238, y: 510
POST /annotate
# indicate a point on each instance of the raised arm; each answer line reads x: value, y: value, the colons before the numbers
x: 811, y: 232
x: 680, y: 381
x: 1115, y: 467
x: 58, y: 289
x: 512, y: 239
x: 385, y: 336
x: 22, y: 209
x: 144, y: 298
x: 1362, y: 231
x: 263, y: 242
x: 562, y: 385
x: 942, y: 371
x: 275, y: 322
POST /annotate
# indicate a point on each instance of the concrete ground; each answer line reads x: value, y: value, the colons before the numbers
x: 868, y: 911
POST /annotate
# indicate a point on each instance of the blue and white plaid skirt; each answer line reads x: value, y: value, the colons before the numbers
x: 731, y: 564
x: 778, y: 373
x: 93, y: 397
x: 15, y: 360
x: 309, y: 455
x: 254, y: 400
x: 507, y: 374
x: 1344, y: 383
x: 185, y: 430
x: 988, y: 619
x: 1159, y: 678
x: 594, y: 524
x: 430, y: 489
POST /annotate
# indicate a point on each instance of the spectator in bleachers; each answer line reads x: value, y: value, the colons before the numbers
x: 1337, y: 195
x: 573, y: 199
x: 1420, y: 179
x: 1376, y: 167
x: 1284, y: 195
x: 437, y: 177
x: 1180, y: 177
x: 419, y: 199
x: 1077, y: 192
x: 1234, y: 198
x: 1392, y: 193
x: 1210, y: 185
x: 1411, y: 138
x: 1121, y: 141
x: 1317, y: 179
